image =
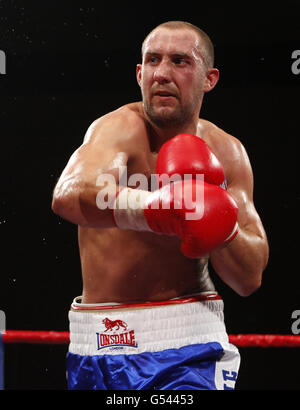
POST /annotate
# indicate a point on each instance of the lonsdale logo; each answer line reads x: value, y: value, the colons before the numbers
x: 117, y: 335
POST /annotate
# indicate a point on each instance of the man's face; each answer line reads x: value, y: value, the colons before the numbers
x: 172, y: 76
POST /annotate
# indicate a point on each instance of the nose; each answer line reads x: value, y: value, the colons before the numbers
x: 162, y: 74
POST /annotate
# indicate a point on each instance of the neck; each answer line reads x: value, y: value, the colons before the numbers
x: 162, y: 134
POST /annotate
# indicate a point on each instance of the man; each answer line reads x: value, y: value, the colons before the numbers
x: 149, y: 315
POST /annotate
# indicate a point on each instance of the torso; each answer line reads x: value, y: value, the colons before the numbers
x: 131, y: 266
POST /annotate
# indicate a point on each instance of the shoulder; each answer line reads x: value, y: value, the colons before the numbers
x: 123, y: 124
x: 218, y: 139
x: 228, y: 149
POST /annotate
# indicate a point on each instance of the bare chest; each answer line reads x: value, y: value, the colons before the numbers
x: 140, y: 172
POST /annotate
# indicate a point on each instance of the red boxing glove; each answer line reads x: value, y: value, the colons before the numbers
x: 200, y: 213
x: 188, y: 154
x: 202, y: 225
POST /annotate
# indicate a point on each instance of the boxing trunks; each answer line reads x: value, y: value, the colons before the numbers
x: 178, y: 344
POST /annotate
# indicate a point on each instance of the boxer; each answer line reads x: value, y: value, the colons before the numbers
x: 145, y: 256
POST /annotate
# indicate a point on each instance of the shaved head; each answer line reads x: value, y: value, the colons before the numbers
x: 205, y: 43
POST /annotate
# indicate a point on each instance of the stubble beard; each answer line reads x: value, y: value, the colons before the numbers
x: 167, y: 119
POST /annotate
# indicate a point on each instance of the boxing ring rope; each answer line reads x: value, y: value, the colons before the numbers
x: 62, y: 338
x: 244, y: 340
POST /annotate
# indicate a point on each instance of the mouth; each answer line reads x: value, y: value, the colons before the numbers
x: 164, y: 94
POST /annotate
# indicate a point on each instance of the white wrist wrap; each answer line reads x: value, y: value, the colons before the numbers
x: 129, y: 209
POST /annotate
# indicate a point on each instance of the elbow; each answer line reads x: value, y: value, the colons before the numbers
x: 65, y: 207
x: 59, y: 200
x: 249, y: 288
x: 56, y: 205
x: 59, y: 206
x: 251, y: 284
x: 254, y: 281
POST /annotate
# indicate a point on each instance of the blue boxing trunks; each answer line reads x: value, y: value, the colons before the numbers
x: 178, y: 344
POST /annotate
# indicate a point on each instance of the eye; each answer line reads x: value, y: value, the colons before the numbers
x: 180, y: 61
x: 152, y: 60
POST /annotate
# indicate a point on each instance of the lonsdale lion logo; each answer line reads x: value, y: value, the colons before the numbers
x: 115, y: 335
x: 111, y: 324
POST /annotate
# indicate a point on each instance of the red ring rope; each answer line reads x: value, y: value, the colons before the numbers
x: 35, y: 336
x: 53, y: 337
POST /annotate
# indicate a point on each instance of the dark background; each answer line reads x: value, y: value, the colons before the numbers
x: 69, y: 63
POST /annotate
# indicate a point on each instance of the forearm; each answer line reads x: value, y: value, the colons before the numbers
x: 241, y: 263
x: 82, y: 202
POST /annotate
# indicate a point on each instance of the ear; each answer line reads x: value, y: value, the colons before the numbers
x: 212, y: 77
x: 139, y: 73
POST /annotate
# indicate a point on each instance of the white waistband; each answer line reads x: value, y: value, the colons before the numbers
x: 99, y: 329
x: 77, y: 305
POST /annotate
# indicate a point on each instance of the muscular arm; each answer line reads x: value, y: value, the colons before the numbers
x: 106, y: 142
x: 241, y: 263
